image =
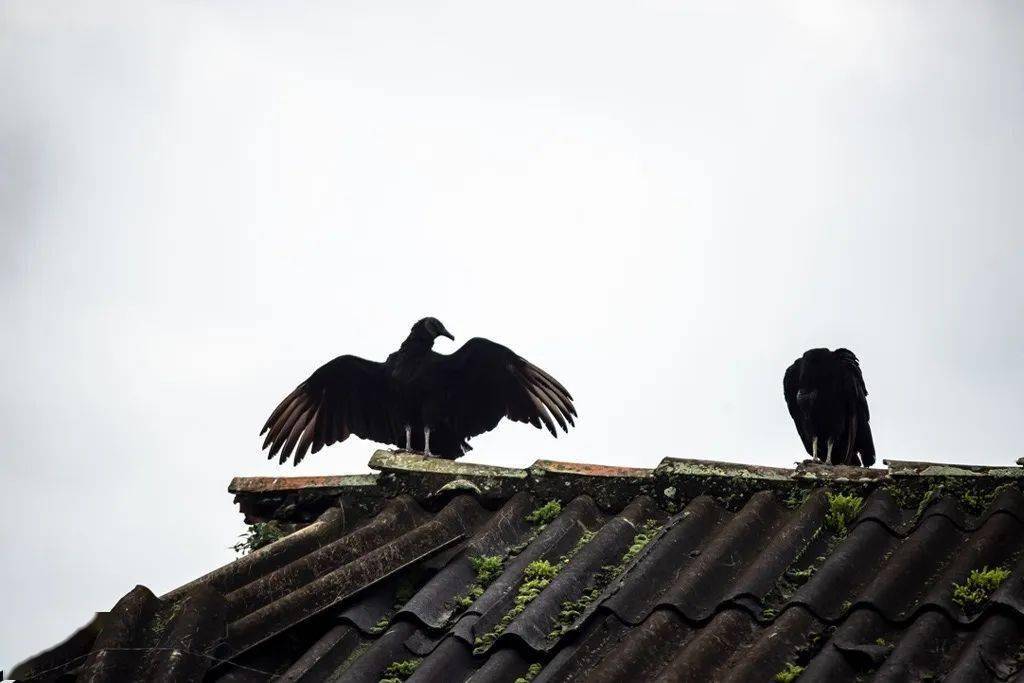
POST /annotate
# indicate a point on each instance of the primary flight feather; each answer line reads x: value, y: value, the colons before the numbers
x: 417, y: 398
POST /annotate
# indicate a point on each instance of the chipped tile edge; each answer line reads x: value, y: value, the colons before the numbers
x: 282, y: 484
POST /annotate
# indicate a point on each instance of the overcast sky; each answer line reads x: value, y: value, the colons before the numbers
x: 662, y: 203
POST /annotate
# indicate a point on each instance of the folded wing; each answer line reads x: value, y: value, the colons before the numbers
x: 485, y: 382
x: 790, y: 385
x: 348, y: 395
x: 858, y: 415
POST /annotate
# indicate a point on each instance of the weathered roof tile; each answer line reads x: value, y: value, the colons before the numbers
x: 691, y: 571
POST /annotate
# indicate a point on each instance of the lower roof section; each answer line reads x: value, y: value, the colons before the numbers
x: 692, y: 571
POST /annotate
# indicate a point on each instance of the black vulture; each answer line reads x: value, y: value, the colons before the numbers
x: 827, y: 399
x: 417, y: 399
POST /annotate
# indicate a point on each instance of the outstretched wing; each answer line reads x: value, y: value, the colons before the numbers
x: 485, y: 382
x: 348, y: 395
x: 790, y: 385
x: 858, y: 425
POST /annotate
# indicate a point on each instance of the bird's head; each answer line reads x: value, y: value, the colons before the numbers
x: 430, y: 329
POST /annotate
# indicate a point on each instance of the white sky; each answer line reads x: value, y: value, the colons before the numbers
x: 662, y: 203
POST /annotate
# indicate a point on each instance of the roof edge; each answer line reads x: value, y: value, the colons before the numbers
x: 266, y: 484
x: 432, y: 480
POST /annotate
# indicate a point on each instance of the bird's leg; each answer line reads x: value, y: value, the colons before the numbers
x: 408, y: 437
x: 814, y: 448
x: 426, y: 441
x: 828, y: 457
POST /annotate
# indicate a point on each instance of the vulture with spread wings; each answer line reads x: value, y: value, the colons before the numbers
x: 827, y: 399
x: 417, y: 399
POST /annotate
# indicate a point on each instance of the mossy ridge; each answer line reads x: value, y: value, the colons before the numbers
x: 539, y: 518
x: 399, y: 671
x: 732, y: 485
x: 259, y: 535
x: 979, y: 587
x: 571, y: 610
x: 536, y: 577
x: 973, y: 494
x: 730, y: 488
x: 842, y: 509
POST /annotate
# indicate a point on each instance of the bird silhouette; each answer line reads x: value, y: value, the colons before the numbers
x: 827, y: 399
x: 417, y: 398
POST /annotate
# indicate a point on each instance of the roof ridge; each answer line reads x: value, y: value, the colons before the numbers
x: 672, y: 482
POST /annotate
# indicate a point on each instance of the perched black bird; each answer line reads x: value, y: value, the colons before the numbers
x: 417, y: 398
x: 826, y: 397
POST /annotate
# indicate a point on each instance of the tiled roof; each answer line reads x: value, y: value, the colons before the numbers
x: 693, y: 571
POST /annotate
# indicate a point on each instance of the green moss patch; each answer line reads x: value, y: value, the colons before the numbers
x: 487, y: 568
x: 530, y: 674
x: 842, y: 510
x: 545, y: 514
x: 381, y: 625
x: 979, y: 586
x: 789, y: 673
x: 396, y: 672
x: 259, y: 535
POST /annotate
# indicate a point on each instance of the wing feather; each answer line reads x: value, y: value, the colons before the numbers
x: 548, y: 377
x: 285, y: 419
x: 542, y: 412
x: 563, y: 396
x: 283, y: 406
x: 486, y: 381
x: 563, y: 407
x: 307, y: 416
x: 348, y: 395
x: 286, y: 428
x: 307, y: 437
x: 549, y: 405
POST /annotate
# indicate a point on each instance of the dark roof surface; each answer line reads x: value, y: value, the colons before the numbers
x: 693, y: 571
